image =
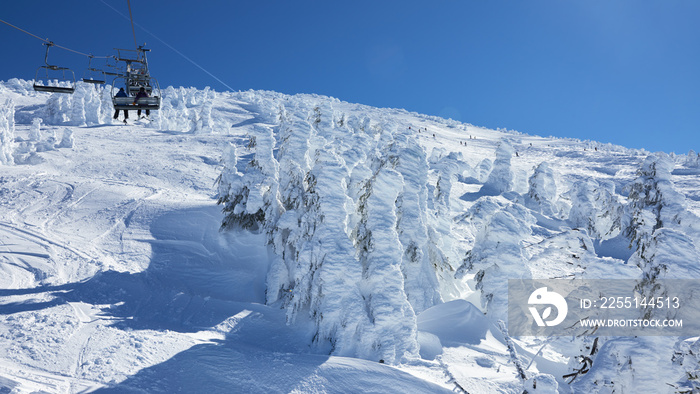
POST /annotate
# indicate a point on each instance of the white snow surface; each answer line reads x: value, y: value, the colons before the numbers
x: 360, y: 234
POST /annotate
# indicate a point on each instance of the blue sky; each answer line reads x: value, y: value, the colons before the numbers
x: 620, y: 71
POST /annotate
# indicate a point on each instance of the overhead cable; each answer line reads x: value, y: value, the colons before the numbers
x: 49, y: 42
x: 169, y: 46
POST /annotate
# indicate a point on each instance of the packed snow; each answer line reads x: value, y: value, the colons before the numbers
x: 260, y: 242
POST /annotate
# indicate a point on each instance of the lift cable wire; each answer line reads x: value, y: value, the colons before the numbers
x: 51, y: 43
x: 171, y: 47
x: 133, y: 31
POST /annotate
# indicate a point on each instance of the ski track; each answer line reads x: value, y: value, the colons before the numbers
x: 70, y: 197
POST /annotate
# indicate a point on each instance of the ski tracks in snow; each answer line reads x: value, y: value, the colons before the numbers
x: 94, y: 210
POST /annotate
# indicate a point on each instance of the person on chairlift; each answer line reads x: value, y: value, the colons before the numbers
x: 121, y: 93
x: 142, y: 93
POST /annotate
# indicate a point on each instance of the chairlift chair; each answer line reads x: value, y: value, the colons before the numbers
x: 94, y: 75
x: 112, y: 69
x: 145, y: 103
x: 63, y: 78
x: 136, y: 81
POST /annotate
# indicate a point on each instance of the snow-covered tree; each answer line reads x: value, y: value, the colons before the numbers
x: 654, y: 222
x: 393, y: 335
x: 205, y: 123
x: 7, y: 132
x: 542, y: 192
x: 595, y: 208
x: 67, y: 141
x: 77, y: 113
x: 630, y: 364
x: 500, y: 179
x: 35, y: 130
x: 653, y: 202
x: 250, y: 198
x: 422, y: 259
x: 54, y: 113
x: 106, y: 107
x: 92, y: 102
x: 295, y: 161
x: 498, y: 256
x: 353, y: 251
x: 326, y: 274
x: 692, y: 159
x: 173, y: 113
x: 483, y: 170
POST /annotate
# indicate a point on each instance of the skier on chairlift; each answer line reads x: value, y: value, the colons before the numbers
x: 121, y: 93
x: 142, y: 93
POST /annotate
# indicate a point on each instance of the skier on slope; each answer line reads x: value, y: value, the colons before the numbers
x: 142, y: 93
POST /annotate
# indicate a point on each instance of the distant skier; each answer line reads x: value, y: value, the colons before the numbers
x: 121, y: 93
x: 142, y: 93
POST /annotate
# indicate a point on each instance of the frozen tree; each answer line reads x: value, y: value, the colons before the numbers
x: 360, y: 240
x: 686, y: 357
x: 173, y: 113
x: 295, y: 161
x: 448, y: 168
x: 93, y: 103
x: 106, y: 107
x: 483, y: 170
x: 498, y: 256
x: 500, y: 179
x: 7, y: 132
x: 35, y: 130
x: 393, y: 335
x: 692, y: 159
x: 327, y: 276
x: 595, y: 208
x: 656, y: 225
x: 77, y: 113
x: 337, y: 234
x: 542, y: 192
x: 205, y: 124
x: 250, y: 198
x: 630, y: 364
x: 67, y: 140
x: 421, y: 256
x: 54, y: 112
x: 653, y: 202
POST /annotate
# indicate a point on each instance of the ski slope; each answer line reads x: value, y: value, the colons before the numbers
x: 115, y: 276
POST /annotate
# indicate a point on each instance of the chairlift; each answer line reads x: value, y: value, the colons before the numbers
x: 112, y: 69
x: 135, y: 77
x: 58, y: 79
x: 94, y: 75
x: 132, y: 87
x: 136, y: 81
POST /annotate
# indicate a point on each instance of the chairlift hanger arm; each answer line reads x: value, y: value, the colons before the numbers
x: 46, y: 56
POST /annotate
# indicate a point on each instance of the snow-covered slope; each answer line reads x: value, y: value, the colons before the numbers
x: 351, y: 235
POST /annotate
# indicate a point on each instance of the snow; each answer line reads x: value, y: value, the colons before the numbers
x: 259, y: 242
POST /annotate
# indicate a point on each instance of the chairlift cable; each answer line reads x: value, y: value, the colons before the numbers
x: 170, y: 46
x: 133, y: 31
x: 48, y: 42
x: 24, y: 31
